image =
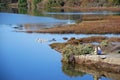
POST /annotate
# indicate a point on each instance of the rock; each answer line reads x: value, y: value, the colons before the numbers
x: 73, y: 38
x: 118, y: 51
x: 103, y: 56
x: 65, y: 38
x: 117, y: 47
x: 40, y: 40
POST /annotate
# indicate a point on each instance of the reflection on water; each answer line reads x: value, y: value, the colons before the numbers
x: 9, y: 18
x: 79, y: 70
x: 70, y: 70
x: 64, y: 14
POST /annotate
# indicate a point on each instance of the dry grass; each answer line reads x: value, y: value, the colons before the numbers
x: 93, y: 39
x: 106, y: 47
x: 110, y: 25
x: 86, y: 9
x: 101, y: 9
x: 73, y: 41
x: 93, y: 17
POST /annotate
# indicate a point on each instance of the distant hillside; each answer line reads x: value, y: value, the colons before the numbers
x: 66, y: 3
x: 79, y: 3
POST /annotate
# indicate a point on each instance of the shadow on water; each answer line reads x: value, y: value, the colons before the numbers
x: 80, y: 70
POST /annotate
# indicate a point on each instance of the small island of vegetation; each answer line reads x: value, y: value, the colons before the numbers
x: 83, y: 50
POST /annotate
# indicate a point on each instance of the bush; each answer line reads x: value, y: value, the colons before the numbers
x: 69, y: 49
x: 55, y: 3
x: 36, y: 1
x: 87, y: 49
x: 2, y: 4
x: 22, y: 10
x: 22, y: 3
x: 77, y: 50
x: 104, y: 43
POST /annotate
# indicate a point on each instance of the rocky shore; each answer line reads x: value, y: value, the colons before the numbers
x: 101, y: 62
x: 107, y: 61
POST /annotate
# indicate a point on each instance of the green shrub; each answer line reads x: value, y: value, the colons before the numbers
x: 116, y: 2
x: 55, y: 3
x: 84, y: 49
x: 104, y: 43
x: 87, y: 49
x: 22, y: 3
x: 22, y: 10
x: 77, y: 50
x: 2, y: 4
x: 36, y: 1
x: 67, y: 51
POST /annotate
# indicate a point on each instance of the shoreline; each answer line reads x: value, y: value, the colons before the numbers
x: 84, y: 9
x: 108, y: 61
x: 109, y: 64
x: 109, y: 25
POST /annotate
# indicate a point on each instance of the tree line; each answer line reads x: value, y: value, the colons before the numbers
x: 68, y: 3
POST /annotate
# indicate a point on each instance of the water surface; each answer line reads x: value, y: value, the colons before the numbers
x: 23, y: 58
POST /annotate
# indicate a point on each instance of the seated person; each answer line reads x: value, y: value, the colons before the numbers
x: 99, y: 51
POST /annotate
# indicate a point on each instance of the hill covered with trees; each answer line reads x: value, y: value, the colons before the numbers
x: 78, y: 3
x: 67, y: 3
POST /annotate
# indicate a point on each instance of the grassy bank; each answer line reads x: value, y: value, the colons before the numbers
x: 104, y: 42
x: 83, y: 51
x: 92, y: 39
x: 109, y: 25
x: 83, y: 47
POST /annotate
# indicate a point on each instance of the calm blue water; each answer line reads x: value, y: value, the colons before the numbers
x: 23, y: 58
x: 10, y: 18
